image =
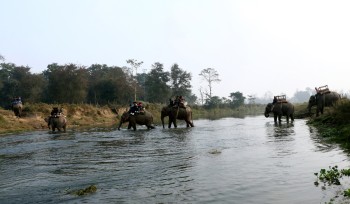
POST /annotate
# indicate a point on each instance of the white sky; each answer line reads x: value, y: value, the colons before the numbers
x: 255, y: 45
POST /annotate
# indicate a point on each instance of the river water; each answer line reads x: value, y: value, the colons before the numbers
x: 229, y: 160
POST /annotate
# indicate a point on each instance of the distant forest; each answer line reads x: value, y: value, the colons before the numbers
x: 103, y: 85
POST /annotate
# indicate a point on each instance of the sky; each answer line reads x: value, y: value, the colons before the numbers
x: 257, y: 47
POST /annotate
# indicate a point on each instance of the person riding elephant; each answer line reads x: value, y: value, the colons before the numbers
x: 146, y: 118
x: 279, y: 110
x: 17, y: 106
x: 322, y: 100
x: 56, y: 120
x: 176, y: 112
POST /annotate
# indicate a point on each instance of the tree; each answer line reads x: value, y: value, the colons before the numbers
x: 67, y: 83
x: 2, y: 58
x: 237, y: 99
x: 213, y: 102
x: 109, y: 84
x: 301, y: 96
x: 158, y: 91
x: 135, y: 65
x: 180, y: 81
x: 210, y: 75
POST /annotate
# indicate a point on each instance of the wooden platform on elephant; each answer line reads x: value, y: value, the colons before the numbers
x: 322, y: 89
x: 281, y: 99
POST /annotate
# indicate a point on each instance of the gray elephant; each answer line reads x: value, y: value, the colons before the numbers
x: 17, y: 109
x: 57, y: 122
x: 145, y: 118
x: 174, y: 113
x: 322, y: 100
x: 279, y: 110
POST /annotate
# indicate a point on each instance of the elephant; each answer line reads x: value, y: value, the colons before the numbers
x: 181, y: 113
x: 322, y: 100
x: 145, y: 118
x: 17, y: 109
x: 57, y: 122
x: 279, y: 110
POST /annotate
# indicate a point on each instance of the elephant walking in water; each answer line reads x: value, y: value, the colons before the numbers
x: 322, y: 100
x: 145, y: 118
x: 279, y: 110
x: 174, y: 113
x: 57, y: 122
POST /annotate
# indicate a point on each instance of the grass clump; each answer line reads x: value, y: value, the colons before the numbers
x: 86, y: 191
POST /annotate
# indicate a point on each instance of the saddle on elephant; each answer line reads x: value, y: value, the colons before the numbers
x: 322, y: 90
x: 280, y: 99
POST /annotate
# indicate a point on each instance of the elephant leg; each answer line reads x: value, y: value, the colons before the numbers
x: 129, y: 126
x: 275, y: 118
x: 175, y: 124
x: 169, y: 123
x: 287, y: 118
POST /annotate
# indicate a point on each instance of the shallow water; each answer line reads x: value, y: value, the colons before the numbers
x: 230, y: 160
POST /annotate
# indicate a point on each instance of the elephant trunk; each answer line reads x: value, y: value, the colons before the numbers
x: 267, y: 114
x: 309, y: 108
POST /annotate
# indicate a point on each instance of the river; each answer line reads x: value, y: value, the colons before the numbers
x: 229, y: 160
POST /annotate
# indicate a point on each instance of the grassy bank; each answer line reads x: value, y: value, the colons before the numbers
x: 334, y: 124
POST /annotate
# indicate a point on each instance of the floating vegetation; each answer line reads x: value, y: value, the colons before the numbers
x: 81, y: 192
x: 332, y: 176
x: 214, y: 151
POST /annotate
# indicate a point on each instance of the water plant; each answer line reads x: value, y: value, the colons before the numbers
x: 81, y: 192
x: 332, y: 176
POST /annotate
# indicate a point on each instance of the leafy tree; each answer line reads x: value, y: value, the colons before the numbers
x: 135, y: 65
x: 18, y: 81
x: 109, y: 85
x: 211, y: 76
x: 180, y: 81
x: 213, y: 102
x: 237, y: 99
x: 158, y: 91
x: 67, y: 83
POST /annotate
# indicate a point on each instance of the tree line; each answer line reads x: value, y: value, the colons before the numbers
x: 102, y: 85
x: 96, y: 84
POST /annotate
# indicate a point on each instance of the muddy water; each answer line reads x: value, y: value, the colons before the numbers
x: 230, y: 160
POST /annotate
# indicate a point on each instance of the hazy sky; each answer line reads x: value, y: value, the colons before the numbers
x: 256, y: 46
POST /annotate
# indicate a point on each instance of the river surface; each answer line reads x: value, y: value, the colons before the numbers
x: 229, y: 160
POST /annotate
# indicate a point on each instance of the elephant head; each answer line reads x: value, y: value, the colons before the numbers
x: 123, y: 119
x: 268, y: 110
x: 312, y: 102
x: 164, y: 113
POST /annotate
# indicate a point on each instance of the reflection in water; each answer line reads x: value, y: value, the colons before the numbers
x: 245, y: 160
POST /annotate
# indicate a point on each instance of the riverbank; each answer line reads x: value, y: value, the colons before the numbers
x: 334, y: 124
x: 85, y: 115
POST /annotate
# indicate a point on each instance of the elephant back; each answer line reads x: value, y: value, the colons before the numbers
x: 58, y: 121
x: 331, y: 98
x: 17, y: 106
x: 284, y: 108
